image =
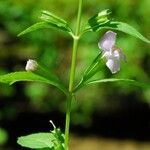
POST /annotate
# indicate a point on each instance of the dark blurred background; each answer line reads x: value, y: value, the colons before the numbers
x: 104, y: 111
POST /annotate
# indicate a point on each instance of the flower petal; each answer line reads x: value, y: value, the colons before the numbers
x: 107, y: 41
x: 113, y: 65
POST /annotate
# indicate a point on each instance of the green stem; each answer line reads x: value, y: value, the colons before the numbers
x: 72, y: 74
x: 90, y: 72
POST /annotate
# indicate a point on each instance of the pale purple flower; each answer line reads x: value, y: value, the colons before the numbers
x: 31, y: 65
x: 112, y: 53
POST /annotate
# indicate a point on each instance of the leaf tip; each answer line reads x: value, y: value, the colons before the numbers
x: 20, y: 34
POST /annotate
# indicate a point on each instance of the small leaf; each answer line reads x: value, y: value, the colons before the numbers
x: 29, y: 76
x: 124, y: 27
x: 37, y: 140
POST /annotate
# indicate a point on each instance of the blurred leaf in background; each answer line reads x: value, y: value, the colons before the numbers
x: 3, y: 136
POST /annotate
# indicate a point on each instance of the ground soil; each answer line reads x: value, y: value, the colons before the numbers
x: 95, y: 143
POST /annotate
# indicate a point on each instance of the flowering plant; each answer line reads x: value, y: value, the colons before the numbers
x: 56, y: 140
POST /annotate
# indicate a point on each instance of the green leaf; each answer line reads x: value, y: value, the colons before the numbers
x: 29, y: 76
x: 127, y: 81
x: 37, y: 140
x: 49, y: 20
x: 36, y: 26
x: 124, y: 27
x: 55, y: 21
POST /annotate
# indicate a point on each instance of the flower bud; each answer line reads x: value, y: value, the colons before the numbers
x: 100, y: 18
x: 31, y: 65
x: 39, y: 69
x: 103, y: 13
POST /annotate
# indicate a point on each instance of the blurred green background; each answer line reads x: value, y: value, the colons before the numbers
x: 107, y: 110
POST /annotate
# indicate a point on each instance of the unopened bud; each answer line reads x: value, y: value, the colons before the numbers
x: 99, y: 19
x: 103, y: 16
x: 31, y: 65
x: 103, y: 13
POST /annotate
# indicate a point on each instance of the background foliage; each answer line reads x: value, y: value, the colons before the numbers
x: 54, y: 50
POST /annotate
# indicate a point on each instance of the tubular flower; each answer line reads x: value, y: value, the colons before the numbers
x: 112, y: 53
